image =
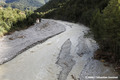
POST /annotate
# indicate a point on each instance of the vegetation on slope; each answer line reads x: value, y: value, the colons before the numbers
x: 18, y: 6
x: 102, y: 16
x: 106, y: 28
x: 52, y: 4
x: 23, y: 4
x: 72, y: 10
x: 14, y: 19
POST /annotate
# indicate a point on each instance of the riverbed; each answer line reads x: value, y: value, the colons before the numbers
x: 66, y: 56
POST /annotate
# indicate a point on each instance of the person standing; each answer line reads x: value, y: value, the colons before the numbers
x: 37, y: 21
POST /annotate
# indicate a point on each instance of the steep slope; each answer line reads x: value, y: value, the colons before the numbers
x: 34, y: 3
x: 72, y: 10
x: 24, y: 4
x: 51, y: 5
x: 15, y: 19
x: 46, y: 1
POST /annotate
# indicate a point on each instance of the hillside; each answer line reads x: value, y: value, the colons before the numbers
x: 53, y: 4
x: 15, y: 19
x: 102, y: 16
x: 23, y: 4
x: 70, y: 9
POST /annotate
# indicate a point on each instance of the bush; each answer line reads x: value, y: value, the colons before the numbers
x: 14, y: 19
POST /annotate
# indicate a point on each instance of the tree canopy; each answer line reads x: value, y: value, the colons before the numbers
x: 14, y: 19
